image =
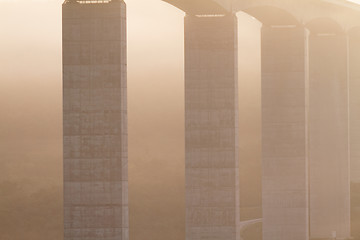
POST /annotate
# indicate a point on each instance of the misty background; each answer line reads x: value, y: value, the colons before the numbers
x: 31, y: 120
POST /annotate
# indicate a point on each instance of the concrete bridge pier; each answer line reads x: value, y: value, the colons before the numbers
x: 95, y: 121
x: 328, y: 132
x: 284, y: 132
x: 211, y: 131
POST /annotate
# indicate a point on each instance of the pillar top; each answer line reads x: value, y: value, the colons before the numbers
x: 90, y: 1
x: 202, y: 7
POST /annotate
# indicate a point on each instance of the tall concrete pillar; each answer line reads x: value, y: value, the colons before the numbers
x: 211, y: 130
x: 354, y: 108
x: 328, y: 136
x: 284, y: 132
x: 95, y: 120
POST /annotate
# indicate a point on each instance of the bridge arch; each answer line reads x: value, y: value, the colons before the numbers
x: 354, y: 32
x: 199, y: 7
x: 270, y: 15
x: 325, y: 26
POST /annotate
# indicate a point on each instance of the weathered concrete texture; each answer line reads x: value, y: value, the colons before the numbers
x: 328, y: 137
x: 95, y: 121
x: 284, y: 151
x: 354, y: 91
x: 211, y: 130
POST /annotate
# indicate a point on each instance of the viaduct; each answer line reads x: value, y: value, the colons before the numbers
x: 310, y: 57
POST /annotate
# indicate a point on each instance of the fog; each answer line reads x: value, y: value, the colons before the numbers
x: 31, y: 160
x: 31, y: 119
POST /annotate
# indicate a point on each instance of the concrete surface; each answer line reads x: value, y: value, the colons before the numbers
x: 211, y: 130
x: 328, y: 135
x: 95, y: 121
x: 284, y: 139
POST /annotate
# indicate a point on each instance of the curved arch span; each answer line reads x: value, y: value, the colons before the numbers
x: 355, y: 32
x: 272, y: 16
x: 324, y: 26
x: 198, y: 7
